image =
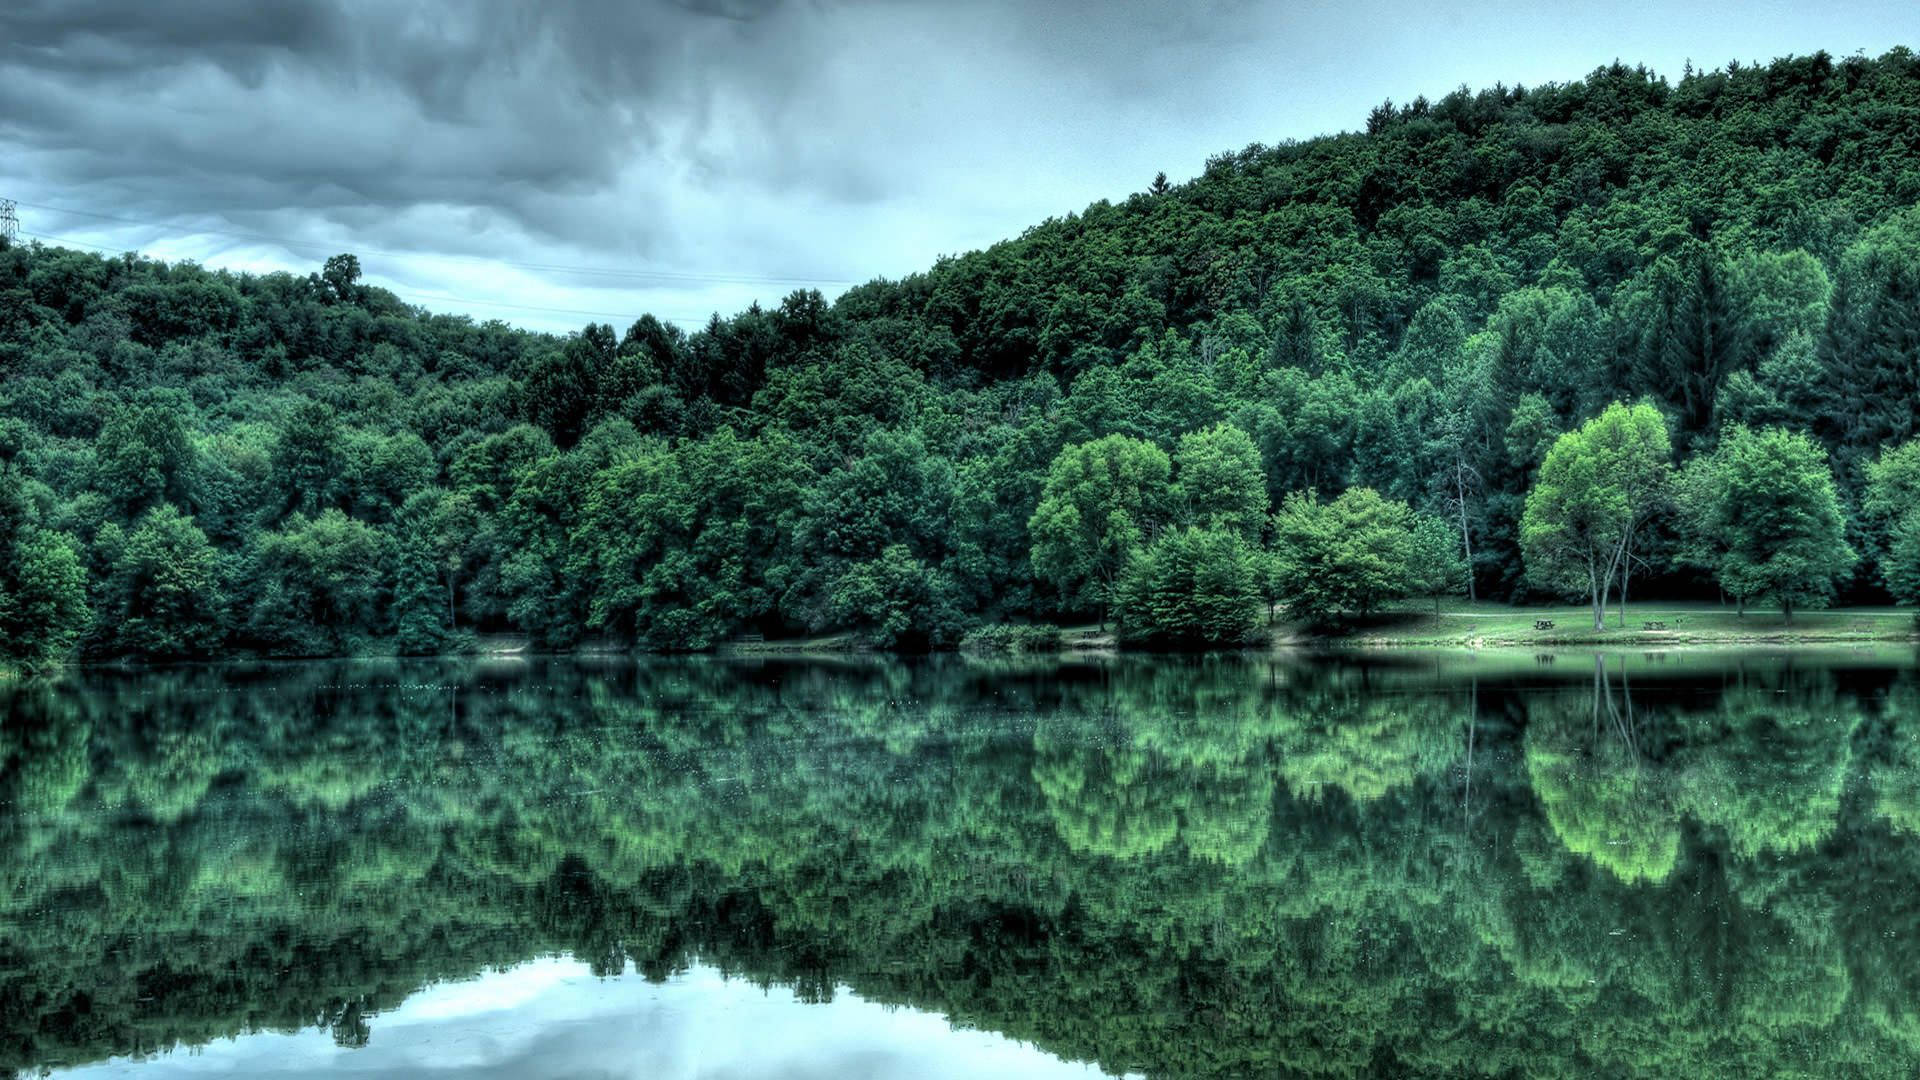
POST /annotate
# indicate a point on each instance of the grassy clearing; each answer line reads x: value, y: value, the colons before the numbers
x: 825, y: 643
x: 1495, y: 625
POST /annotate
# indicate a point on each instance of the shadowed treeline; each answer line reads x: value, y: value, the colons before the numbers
x: 1602, y: 865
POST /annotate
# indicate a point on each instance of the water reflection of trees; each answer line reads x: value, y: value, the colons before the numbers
x: 1218, y: 866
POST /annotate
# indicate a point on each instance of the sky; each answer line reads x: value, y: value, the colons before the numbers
x: 556, y: 163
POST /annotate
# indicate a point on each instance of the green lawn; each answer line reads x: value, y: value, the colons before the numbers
x: 1461, y: 623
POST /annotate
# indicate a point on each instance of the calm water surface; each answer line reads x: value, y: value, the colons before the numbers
x: 1573, y: 865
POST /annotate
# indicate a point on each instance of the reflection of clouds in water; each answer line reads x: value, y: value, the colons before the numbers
x: 552, y: 1018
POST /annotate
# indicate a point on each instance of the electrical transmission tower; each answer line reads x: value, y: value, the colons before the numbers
x: 9, y: 224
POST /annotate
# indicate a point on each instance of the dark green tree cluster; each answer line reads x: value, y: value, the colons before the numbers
x: 279, y: 464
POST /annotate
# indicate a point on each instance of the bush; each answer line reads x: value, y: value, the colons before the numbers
x: 1195, y: 587
x: 1012, y: 638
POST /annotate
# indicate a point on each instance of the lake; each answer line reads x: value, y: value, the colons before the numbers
x: 1419, y: 863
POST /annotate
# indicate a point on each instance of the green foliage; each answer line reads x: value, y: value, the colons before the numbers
x: 143, y: 457
x: 1425, y: 310
x: 1435, y: 565
x: 318, y: 581
x: 43, y: 597
x: 1220, y: 483
x: 1340, y: 558
x: 1764, y: 511
x: 419, y: 605
x: 1011, y: 638
x: 1102, y: 500
x: 307, y: 465
x: 1597, y: 488
x: 1191, y: 587
x: 1892, y: 513
x: 899, y: 601
x: 679, y: 547
x: 164, y: 596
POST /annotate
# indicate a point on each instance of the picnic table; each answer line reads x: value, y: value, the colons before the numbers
x: 1543, y: 624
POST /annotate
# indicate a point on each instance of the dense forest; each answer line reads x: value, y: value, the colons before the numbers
x: 1323, y: 375
x: 1705, y: 865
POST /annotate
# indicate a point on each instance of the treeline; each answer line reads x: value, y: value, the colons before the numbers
x: 201, y: 463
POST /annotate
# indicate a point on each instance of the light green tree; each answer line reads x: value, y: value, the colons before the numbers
x: 1192, y: 586
x: 1598, y: 486
x: 43, y: 599
x: 43, y: 585
x: 1892, y: 512
x: 1102, y: 500
x: 1340, y: 558
x: 1435, y: 566
x: 1219, y: 483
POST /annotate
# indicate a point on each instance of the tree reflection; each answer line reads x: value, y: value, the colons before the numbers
x: 1217, y: 867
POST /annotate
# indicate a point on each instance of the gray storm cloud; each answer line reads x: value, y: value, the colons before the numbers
x: 342, y: 106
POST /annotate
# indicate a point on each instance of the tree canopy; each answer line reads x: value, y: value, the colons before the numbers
x: 1771, y: 520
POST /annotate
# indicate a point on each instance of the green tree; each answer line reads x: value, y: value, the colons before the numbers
x: 163, y: 596
x: 1435, y: 567
x: 1597, y: 488
x: 1102, y: 500
x: 898, y: 601
x: 307, y: 460
x: 144, y: 457
x: 43, y: 598
x: 1871, y: 347
x: 1191, y: 586
x: 321, y: 585
x: 419, y: 609
x: 1892, y: 513
x: 341, y: 276
x: 560, y: 388
x: 1219, y: 483
x: 1344, y: 557
x: 679, y: 548
x: 1766, y: 517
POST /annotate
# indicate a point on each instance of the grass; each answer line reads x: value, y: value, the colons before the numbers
x: 825, y: 643
x: 1493, y: 625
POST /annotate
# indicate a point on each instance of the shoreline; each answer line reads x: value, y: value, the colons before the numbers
x: 1486, y: 627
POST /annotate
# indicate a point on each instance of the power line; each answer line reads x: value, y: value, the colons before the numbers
x: 533, y: 307
x: 412, y: 295
x: 551, y: 268
x: 79, y: 243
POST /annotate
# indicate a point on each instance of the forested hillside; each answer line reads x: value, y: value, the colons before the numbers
x: 1211, y: 390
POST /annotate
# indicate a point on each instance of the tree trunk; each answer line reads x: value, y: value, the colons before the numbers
x: 1626, y: 571
x: 1596, y: 588
x: 1613, y: 564
x: 1466, y: 535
